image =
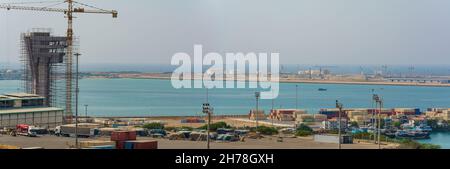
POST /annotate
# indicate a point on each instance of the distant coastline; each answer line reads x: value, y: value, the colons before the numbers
x: 165, y: 76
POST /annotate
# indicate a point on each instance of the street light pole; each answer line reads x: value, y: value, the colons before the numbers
x: 374, y: 116
x: 339, y: 106
x: 379, y: 123
x: 257, y: 95
x: 207, y: 110
x: 77, y: 90
x: 379, y: 102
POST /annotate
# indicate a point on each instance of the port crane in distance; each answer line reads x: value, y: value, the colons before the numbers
x: 68, y: 13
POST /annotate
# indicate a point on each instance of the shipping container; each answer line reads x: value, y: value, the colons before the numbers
x: 141, y: 144
x: 345, y: 139
x: 117, y: 125
x: 8, y: 147
x: 120, y: 144
x: 123, y: 135
x: 105, y: 147
x: 91, y: 143
x: 417, y: 111
x: 107, y: 131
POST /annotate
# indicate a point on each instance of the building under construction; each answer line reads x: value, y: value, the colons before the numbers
x: 45, y: 63
x: 48, y: 60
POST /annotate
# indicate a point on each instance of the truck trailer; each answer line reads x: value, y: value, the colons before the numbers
x: 84, y: 130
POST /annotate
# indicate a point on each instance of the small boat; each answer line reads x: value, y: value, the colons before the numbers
x: 402, y: 134
x: 412, y: 134
x: 424, y: 128
x: 322, y: 89
x: 390, y: 134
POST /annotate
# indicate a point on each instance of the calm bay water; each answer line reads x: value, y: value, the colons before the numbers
x: 141, y: 97
x: 440, y: 138
x: 138, y: 97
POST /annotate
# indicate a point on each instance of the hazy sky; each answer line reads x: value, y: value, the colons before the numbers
x: 302, y: 31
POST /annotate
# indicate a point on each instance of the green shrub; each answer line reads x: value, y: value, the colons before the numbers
x: 354, y: 124
x: 411, y: 144
x: 429, y: 146
x: 267, y: 130
x: 332, y: 131
x: 303, y: 127
x: 185, y: 128
x: 303, y: 133
x: 215, y: 126
x: 153, y: 126
x: 363, y: 135
x: 304, y: 130
x: 397, y: 124
x: 170, y: 128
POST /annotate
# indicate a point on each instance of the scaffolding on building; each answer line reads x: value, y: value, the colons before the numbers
x: 44, y: 58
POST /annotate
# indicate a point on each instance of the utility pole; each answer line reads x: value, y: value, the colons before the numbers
x: 380, y: 102
x: 339, y: 106
x: 77, y: 90
x: 257, y: 95
x: 272, y: 111
x: 374, y: 114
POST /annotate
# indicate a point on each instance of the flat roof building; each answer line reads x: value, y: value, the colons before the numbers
x: 22, y: 108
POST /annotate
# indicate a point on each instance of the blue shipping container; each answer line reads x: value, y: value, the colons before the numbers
x: 417, y: 111
x: 129, y: 145
x: 106, y: 147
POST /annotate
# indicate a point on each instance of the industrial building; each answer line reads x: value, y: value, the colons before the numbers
x: 28, y: 109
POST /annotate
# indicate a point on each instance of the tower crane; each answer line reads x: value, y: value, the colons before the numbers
x: 68, y: 13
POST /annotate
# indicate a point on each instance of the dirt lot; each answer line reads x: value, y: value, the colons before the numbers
x: 53, y: 142
x: 238, y: 121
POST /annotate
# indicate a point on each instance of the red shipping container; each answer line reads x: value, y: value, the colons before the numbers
x: 123, y: 135
x: 120, y: 144
x: 132, y: 135
x: 145, y: 144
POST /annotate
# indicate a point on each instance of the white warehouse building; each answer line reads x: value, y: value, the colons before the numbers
x: 28, y: 109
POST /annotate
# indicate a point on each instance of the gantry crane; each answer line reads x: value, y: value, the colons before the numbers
x: 69, y: 15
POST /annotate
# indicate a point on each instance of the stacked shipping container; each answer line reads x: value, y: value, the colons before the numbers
x: 121, y: 136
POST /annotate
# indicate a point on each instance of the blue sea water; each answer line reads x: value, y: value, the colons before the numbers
x: 142, y: 97
x: 439, y: 138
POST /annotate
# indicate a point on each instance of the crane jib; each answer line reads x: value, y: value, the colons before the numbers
x: 75, y: 10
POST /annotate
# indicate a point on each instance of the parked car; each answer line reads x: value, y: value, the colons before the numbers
x: 157, y: 133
